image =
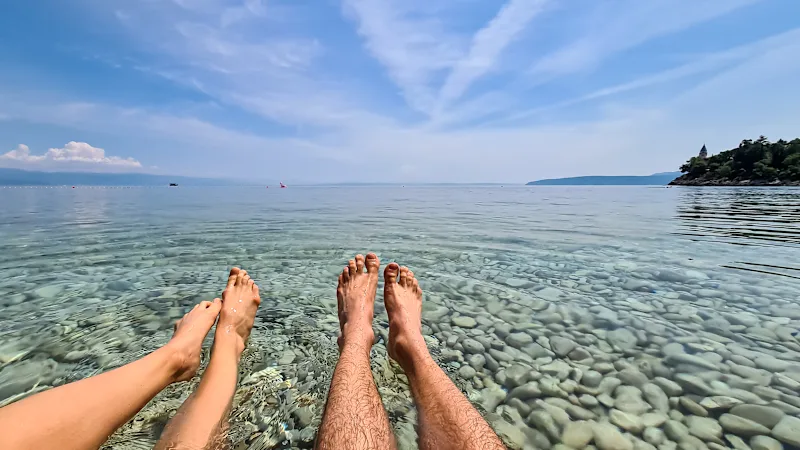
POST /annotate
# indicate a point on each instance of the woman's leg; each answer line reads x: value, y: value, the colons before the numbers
x: 82, y: 415
x: 202, y: 419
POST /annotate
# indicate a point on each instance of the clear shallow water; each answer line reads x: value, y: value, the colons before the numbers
x: 93, y: 278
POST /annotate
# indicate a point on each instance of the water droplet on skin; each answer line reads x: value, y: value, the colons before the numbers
x: 234, y: 309
x: 240, y: 300
x: 228, y: 329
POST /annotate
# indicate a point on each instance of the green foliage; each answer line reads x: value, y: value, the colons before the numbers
x: 751, y: 160
x: 726, y: 170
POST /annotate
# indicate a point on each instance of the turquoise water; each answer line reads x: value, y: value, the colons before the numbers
x: 92, y: 278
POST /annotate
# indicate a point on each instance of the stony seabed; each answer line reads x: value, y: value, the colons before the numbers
x: 554, y: 355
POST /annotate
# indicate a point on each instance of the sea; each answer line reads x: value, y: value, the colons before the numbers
x: 535, y: 296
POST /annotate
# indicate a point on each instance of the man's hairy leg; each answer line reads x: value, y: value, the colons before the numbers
x: 447, y: 420
x: 354, y: 415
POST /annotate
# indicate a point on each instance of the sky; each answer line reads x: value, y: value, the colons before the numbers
x: 392, y: 90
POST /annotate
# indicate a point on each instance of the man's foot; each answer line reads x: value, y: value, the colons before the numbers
x: 403, y: 298
x: 187, y: 341
x: 355, y: 299
x: 240, y: 301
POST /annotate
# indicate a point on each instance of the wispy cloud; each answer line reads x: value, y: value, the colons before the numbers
x: 413, y: 43
x: 617, y: 26
x: 713, y: 63
x: 250, y: 9
x: 270, y: 74
x: 487, y: 45
x: 121, y: 15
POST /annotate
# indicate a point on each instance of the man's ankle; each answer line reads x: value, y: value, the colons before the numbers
x: 412, y: 355
x: 358, y: 336
x: 357, y: 341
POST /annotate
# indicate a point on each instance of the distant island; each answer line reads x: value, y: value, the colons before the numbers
x: 753, y: 163
x: 18, y: 177
x: 658, y: 179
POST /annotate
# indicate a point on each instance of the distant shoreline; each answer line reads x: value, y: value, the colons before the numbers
x: 658, y: 179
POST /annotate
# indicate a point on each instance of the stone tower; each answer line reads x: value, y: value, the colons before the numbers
x: 704, y: 152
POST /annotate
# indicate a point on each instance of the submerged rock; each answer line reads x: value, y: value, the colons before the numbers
x: 622, y: 338
x: 562, y: 346
x: 464, y: 322
x: 608, y: 437
x: 765, y: 415
x: 741, y: 426
x: 788, y: 431
x: 765, y: 443
x: 577, y: 434
x: 704, y: 428
x: 518, y: 340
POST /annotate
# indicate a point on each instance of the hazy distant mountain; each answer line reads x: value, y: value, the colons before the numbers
x: 17, y: 177
x: 658, y: 179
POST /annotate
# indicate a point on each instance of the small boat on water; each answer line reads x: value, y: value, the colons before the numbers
x: 283, y: 186
x: 173, y: 185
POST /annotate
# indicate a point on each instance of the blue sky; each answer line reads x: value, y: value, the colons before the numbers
x: 392, y: 90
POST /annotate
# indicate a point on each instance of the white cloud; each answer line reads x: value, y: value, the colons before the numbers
x: 22, y: 153
x: 73, y: 152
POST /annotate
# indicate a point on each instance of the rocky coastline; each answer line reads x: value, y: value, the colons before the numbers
x: 687, y: 180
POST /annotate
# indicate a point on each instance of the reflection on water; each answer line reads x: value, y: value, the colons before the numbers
x: 768, y: 217
x: 89, y: 209
x: 742, y: 216
x: 681, y: 296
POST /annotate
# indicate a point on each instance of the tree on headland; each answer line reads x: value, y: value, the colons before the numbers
x: 759, y: 160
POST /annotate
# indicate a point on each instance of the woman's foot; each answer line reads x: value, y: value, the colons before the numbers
x: 187, y: 341
x: 240, y: 301
x: 403, y: 298
x: 355, y: 297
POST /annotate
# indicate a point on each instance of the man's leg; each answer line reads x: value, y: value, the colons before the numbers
x: 83, y: 414
x: 354, y: 416
x: 446, y: 418
x: 202, y: 419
